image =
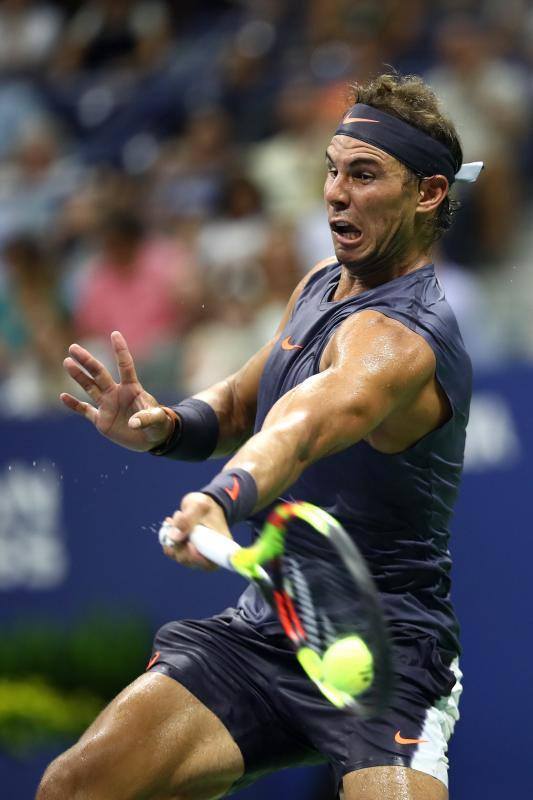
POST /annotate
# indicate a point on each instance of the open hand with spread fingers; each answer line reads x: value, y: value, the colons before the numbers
x: 122, y: 412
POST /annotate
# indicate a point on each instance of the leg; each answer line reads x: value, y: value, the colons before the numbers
x: 155, y: 741
x: 392, y: 783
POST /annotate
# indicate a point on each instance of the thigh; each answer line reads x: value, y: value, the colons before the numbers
x: 155, y: 740
x: 392, y: 783
x: 238, y: 673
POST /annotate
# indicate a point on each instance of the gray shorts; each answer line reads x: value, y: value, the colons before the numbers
x: 252, y: 682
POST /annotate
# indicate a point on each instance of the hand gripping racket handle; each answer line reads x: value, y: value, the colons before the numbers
x: 213, y: 545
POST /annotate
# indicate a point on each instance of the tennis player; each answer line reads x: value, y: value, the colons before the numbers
x: 359, y: 405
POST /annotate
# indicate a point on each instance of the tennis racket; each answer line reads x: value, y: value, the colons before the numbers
x: 317, y: 582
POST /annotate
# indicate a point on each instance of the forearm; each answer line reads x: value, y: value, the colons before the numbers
x: 305, y: 425
x: 210, y: 424
x: 309, y: 423
x: 275, y: 457
x: 261, y: 470
x: 235, y: 419
x: 234, y: 402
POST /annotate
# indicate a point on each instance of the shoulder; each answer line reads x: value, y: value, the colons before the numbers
x: 319, y: 267
x: 380, y: 344
x: 300, y: 286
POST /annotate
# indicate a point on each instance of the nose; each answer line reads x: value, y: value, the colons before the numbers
x: 336, y: 192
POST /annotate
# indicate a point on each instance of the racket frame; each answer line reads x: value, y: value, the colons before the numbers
x: 269, y: 548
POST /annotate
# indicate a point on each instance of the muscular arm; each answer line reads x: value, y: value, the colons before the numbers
x: 373, y: 368
x: 234, y: 401
x: 377, y: 379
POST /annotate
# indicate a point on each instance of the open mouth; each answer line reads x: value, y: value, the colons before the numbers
x: 344, y: 231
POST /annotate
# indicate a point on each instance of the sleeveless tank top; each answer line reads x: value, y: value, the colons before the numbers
x: 396, y: 507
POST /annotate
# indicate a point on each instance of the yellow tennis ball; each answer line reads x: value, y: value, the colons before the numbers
x: 348, y: 665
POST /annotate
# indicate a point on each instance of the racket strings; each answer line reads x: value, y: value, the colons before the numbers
x: 325, y: 598
x: 299, y: 590
x: 324, y: 592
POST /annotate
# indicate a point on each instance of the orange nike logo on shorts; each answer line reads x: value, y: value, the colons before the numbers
x: 234, y: 491
x: 153, y: 660
x: 400, y: 740
x: 288, y: 345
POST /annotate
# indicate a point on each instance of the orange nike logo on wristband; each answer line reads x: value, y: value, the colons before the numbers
x: 235, y: 489
x: 400, y: 740
x: 288, y: 345
x: 153, y: 660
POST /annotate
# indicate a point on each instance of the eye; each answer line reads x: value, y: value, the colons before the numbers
x: 331, y: 170
x: 365, y: 177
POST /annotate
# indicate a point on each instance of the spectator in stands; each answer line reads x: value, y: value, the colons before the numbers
x: 110, y: 34
x: 486, y: 94
x: 21, y: 108
x: 229, y: 244
x: 288, y: 167
x: 36, y: 181
x: 191, y: 171
x: 34, y: 329
x: 248, y: 88
x: 236, y: 324
x: 281, y: 270
x: 388, y: 32
x: 142, y: 285
x: 28, y: 33
x: 81, y: 216
x: 219, y: 345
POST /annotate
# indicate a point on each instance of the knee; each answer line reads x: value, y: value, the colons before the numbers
x: 67, y: 777
x: 57, y: 781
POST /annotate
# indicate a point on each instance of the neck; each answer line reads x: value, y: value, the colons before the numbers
x: 358, y: 278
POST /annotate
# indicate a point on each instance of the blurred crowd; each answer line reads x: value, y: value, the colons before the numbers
x: 161, y: 171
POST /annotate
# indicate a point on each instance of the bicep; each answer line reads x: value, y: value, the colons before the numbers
x: 327, y: 413
x: 375, y: 367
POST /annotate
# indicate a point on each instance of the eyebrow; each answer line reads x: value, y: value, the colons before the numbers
x: 358, y: 161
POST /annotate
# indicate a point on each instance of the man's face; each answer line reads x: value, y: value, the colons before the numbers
x: 371, y: 204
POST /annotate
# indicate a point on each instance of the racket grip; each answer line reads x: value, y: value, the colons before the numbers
x: 212, y: 545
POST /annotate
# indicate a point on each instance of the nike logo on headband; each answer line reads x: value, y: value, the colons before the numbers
x: 348, y: 119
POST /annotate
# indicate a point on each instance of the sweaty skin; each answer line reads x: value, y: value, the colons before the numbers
x: 144, y: 745
x: 376, y: 382
x: 392, y: 783
x: 377, y: 378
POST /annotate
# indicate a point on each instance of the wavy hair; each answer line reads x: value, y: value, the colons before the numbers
x: 413, y: 101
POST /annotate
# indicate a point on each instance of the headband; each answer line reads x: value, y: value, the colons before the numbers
x: 414, y: 148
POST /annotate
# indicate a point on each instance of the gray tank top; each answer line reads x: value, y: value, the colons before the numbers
x: 396, y: 507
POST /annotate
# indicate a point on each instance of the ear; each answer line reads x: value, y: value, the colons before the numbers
x: 431, y: 193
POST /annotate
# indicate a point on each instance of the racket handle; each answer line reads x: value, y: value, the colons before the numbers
x: 212, y: 545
